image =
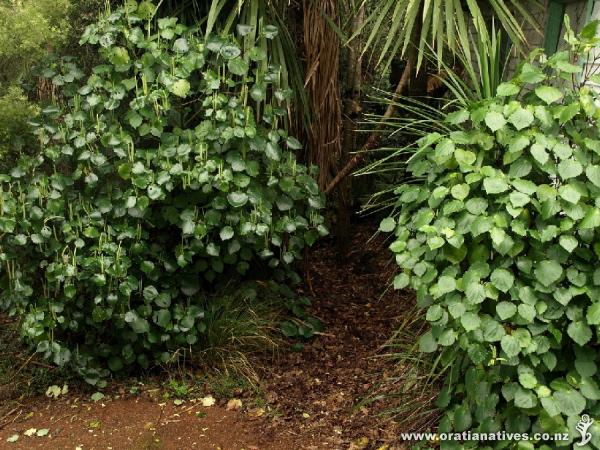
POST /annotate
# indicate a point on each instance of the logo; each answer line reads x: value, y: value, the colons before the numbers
x: 582, y: 426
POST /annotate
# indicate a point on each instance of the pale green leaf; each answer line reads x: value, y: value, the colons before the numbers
x: 569, y: 243
x: 507, y: 89
x: 494, y: 185
x: 549, y: 94
x: 502, y: 279
x: 181, y: 88
x: 548, y: 272
x: 387, y: 225
x: 446, y: 284
x: 569, y: 168
x: 521, y: 118
x: 505, y: 310
x: 470, y: 321
x: 571, y: 402
x: 494, y: 120
x: 510, y: 345
x: 580, y: 332
x: 593, y: 314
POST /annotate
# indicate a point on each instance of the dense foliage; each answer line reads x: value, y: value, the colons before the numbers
x: 26, y: 29
x: 500, y: 238
x: 30, y: 31
x: 403, y: 25
x: 161, y: 172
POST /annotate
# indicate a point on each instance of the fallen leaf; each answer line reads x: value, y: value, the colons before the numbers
x: 14, y: 438
x: 256, y: 412
x: 43, y: 432
x: 271, y: 397
x: 234, y: 404
x: 97, y: 396
x: 30, y: 432
x: 359, y: 444
x: 207, y: 401
x: 178, y: 402
x: 55, y: 391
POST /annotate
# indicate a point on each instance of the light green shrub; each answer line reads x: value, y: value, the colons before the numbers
x: 500, y: 239
x: 15, y: 113
x: 28, y: 29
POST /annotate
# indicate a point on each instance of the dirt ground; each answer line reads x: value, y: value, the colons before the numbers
x: 312, y: 398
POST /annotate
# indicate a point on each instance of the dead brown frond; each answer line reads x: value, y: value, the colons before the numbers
x: 322, y: 51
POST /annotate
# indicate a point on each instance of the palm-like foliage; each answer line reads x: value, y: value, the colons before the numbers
x: 416, y: 120
x: 439, y: 23
x: 412, y: 28
x: 466, y: 85
x: 477, y: 80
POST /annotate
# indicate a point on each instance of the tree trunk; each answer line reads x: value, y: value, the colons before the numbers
x: 322, y: 50
x: 351, y: 114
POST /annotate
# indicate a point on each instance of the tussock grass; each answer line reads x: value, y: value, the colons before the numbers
x: 241, y: 334
x: 408, y: 390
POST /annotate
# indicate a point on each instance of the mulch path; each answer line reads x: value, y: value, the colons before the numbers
x: 339, y: 369
x: 314, y: 398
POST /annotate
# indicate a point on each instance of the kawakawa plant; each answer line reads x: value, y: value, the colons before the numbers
x: 500, y: 239
x: 163, y: 171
